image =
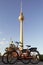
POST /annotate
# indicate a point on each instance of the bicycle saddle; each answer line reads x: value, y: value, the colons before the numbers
x: 28, y: 45
x: 33, y: 48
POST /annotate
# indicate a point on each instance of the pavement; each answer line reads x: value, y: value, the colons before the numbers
x: 20, y: 63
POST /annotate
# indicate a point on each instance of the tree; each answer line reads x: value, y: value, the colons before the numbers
x: 0, y: 53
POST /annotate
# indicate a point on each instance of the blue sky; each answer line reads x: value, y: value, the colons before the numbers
x: 32, y: 25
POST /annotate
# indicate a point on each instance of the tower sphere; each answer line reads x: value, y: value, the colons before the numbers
x: 21, y: 17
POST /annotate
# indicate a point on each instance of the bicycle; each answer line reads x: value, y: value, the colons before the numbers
x: 25, y: 55
x: 8, y: 50
x: 4, y: 57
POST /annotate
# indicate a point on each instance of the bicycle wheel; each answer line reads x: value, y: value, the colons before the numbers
x: 25, y: 61
x: 24, y: 58
x: 12, y: 57
x: 4, y: 58
x: 35, y: 57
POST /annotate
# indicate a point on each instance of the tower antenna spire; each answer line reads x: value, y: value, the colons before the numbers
x: 21, y: 5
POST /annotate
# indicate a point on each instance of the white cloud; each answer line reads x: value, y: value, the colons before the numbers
x: 4, y: 39
x: 2, y: 42
x: 0, y: 32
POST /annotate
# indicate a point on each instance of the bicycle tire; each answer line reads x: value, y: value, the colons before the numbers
x: 23, y: 59
x: 36, y: 59
x: 12, y: 58
x: 4, y: 58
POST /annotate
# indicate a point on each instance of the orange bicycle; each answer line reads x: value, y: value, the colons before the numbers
x: 8, y: 50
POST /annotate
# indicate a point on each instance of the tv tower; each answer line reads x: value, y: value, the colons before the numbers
x: 21, y: 18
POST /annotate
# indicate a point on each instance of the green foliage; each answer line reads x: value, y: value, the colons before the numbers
x: 0, y: 54
x: 41, y: 57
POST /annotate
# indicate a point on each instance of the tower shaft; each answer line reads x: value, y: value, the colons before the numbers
x: 21, y: 36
